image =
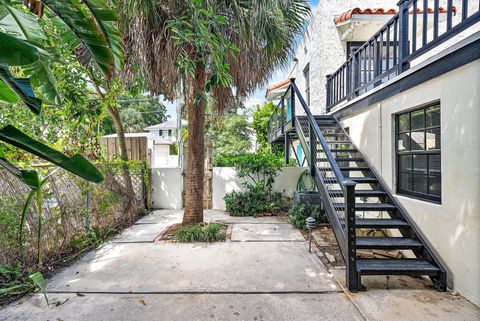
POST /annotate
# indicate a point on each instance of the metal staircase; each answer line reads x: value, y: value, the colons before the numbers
x: 355, y: 199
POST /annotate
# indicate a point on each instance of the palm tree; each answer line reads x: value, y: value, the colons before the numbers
x: 195, y: 43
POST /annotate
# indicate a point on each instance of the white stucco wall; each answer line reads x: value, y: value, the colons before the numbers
x: 452, y: 227
x: 323, y: 49
x: 225, y: 180
x: 167, y: 187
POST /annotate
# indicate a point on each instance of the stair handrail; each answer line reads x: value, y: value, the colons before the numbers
x: 318, y: 133
x: 348, y: 187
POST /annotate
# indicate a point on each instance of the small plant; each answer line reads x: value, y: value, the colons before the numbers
x: 298, y: 214
x: 12, y: 282
x: 210, y: 232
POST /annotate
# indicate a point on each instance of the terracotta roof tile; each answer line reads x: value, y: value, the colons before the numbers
x: 348, y: 15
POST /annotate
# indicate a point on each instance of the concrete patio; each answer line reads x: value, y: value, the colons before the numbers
x: 264, y: 273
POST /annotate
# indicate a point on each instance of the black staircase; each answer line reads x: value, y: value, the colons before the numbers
x: 355, y: 198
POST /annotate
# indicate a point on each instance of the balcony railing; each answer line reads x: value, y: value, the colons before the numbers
x: 413, y: 31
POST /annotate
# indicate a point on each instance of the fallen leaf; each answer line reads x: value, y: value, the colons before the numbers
x: 58, y: 303
x: 142, y: 301
x: 80, y: 294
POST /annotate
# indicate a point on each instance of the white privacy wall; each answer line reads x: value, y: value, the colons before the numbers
x: 452, y: 227
x: 167, y: 187
x: 225, y: 180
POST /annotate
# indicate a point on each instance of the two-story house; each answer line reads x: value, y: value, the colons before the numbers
x: 384, y: 102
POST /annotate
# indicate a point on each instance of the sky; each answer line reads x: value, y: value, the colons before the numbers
x: 258, y: 96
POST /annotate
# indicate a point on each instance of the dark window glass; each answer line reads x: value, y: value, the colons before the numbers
x: 433, y: 138
x: 417, y: 121
x: 404, y: 122
x: 419, y: 153
x: 405, y: 163
x: 433, y: 116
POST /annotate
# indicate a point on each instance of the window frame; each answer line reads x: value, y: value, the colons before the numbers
x: 428, y: 152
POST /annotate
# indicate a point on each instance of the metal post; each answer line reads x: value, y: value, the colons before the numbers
x: 287, y: 149
x: 328, y: 90
x: 313, y: 150
x: 292, y: 97
x: 282, y: 104
x: 353, y: 278
x: 403, y: 36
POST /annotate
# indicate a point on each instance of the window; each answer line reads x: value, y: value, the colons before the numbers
x: 306, y: 76
x: 419, y: 154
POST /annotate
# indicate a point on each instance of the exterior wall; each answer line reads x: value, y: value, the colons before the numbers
x: 452, y: 227
x: 167, y: 188
x: 323, y: 49
x: 162, y: 157
x: 225, y: 180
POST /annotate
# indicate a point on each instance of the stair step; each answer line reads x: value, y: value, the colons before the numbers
x: 370, y: 206
x: 343, y: 159
x: 338, y: 142
x: 333, y: 134
x: 361, y: 193
x: 387, y: 243
x: 396, y: 267
x: 346, y: 150
x: 347, y: 169
x: 380, y: 223
x: 374, y: 207
x: 361, y: 180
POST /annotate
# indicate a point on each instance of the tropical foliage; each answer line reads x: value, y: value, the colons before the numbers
x: 258, y: 172
x: 210, y: 47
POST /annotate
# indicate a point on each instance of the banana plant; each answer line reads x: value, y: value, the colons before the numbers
x: 22, y: 44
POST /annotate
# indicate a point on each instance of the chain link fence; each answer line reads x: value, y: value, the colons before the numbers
x: 72, y: 207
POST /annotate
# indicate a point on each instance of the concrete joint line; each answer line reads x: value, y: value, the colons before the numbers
x: 269, y: 241
x: 197, y: 292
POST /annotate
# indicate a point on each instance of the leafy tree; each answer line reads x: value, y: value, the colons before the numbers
x: 140, y: 112
x: 231, y: 136
x: 210, y: 46
x: 260, y: 124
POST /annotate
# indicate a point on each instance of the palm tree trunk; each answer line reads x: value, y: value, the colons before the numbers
x: 195, y: 151
x: 129, y: 201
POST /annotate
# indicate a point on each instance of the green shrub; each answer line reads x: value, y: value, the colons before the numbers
x: 258, y: 172
x: 298, y: 215
x: 233, y: 160
x: 254, y: 200
x: 210, y: 232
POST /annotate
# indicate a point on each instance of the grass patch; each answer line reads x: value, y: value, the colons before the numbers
x: 210, y: 232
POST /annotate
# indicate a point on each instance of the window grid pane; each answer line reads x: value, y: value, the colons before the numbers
x: 418, y: 153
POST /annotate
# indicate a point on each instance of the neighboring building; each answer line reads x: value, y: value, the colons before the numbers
x: 164, y: 142
x: 158, y: 145
x: 403, y: 95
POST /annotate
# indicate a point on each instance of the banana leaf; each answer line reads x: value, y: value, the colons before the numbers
x: 16, y: 52
x: 76, y: 164
x: 21, y: 87
x: 85, y: 27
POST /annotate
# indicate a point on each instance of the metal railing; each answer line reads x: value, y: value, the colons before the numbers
x: 338, y: 192
x: 413, y: 31
x: 282, y: 119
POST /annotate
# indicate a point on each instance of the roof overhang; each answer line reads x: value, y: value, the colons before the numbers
x: 276, y: 91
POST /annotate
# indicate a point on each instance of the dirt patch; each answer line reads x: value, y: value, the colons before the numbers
x: 326, y: 246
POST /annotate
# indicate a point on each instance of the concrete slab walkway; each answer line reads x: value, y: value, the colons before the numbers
x: 264, y: 273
